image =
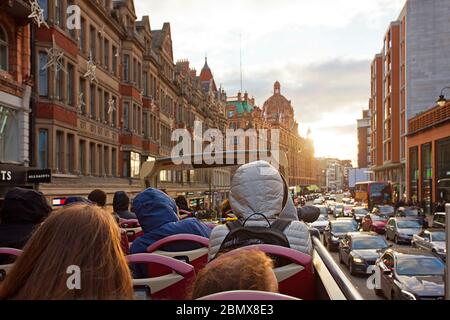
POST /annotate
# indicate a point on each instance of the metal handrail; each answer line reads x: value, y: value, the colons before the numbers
x: 347, y: 288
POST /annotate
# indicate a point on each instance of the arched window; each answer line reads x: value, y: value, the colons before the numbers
x: 3, y: 49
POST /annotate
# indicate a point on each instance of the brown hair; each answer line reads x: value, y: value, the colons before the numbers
x: 77, y: 235
x: 243, y: 270
x: 225, y: 208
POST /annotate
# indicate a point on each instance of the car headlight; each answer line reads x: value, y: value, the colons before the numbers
x: 334, y: 238
x: 358, y: 260
x: 408, y: 295
x: 441, y: 250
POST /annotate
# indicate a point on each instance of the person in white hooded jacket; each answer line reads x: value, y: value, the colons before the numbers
x: 258, y: 187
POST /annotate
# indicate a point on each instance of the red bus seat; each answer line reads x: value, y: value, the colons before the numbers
x: 173, y: 286
x: 132, y: 228
x: 4, y: 269
x: 247, y: 295
x: 197, y: 257
x: 295, y: 279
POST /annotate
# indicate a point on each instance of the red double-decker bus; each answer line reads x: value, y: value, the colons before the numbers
x: 373, y: 193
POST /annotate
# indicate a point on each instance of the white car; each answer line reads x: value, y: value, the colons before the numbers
x: 318, y: 201
x: 432, y: 241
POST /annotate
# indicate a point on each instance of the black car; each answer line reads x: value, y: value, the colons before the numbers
x: 413, y: 213
x: 410, y: 274
x: 336, y: 230
x: 360, y: 250
x: 359, y: 213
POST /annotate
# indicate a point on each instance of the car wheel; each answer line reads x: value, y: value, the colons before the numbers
x: 413, y: 244
x: 387, y: 236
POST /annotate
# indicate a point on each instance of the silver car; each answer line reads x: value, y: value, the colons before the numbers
x: 402, y: 229
x: 432, y: 241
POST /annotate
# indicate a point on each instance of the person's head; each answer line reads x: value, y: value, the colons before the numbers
x: 24, y: 206
x: 239, y: 270
x: 154, y: 208
x: 121, y: 201
x: 81, y: 236
x: 98, y: 197
x: 181, y: 202
x: 258, y: 187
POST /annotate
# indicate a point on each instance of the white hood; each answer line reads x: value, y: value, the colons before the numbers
x: 258, y: 187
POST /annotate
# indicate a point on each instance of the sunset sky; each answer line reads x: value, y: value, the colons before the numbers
x: 319, y: 50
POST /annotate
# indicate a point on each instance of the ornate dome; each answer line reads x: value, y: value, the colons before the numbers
x: 278, y: 109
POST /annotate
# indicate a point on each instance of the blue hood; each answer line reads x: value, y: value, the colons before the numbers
x: 157, y: 215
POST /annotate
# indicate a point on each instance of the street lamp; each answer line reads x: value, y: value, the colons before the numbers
x: 442, y: 101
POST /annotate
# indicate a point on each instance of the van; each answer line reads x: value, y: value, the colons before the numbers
x: 439, y: 220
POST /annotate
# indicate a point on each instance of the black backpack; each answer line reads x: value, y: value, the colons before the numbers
x: 242, y: 236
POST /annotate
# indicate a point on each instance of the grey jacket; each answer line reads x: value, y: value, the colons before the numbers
x: 257, y: 187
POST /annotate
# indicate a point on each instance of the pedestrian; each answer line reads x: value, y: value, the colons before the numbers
x: 79, y: 237
x: 23, y: 211
x: 98, y: 197
x: 121, y: 205
x: 239, y: 270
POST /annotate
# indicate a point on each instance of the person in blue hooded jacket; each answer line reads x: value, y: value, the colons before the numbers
x: 157, y: 215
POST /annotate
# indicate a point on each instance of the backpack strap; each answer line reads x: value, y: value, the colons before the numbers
x: 233, y: 225
x: 280, y: 224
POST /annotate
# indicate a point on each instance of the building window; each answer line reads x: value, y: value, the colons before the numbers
x: 106, y: 160
x: 145, y: 83
x: 443, y: 169
x: 59, y: 85
x: 105, y: 106
x: 126, y: 115
x: 92, y: 156
x: 414, y: 173
x: 44, y: 6
x: 43, y: 74
x: 115, y: 54
x: 114, y: 112
x: 101, y: 168
x: 113, y: 162
x: 9, y: 135
x: 135, y: 118
x: 59, y: 154
x: 92, y: 101
x: 70, y: 87
x: 145, y: 124
x: 126, y: 67
x: 43, y: 149
x: 59, y: 13
x: 106, y: 54
x: 82, y: 35
x: 126, y: 165
x: 427, y: 176
x: 83, y: 95
x: 70, y: 153
x: 82, y: 157
x: 93, y: 39
x: 3, y: 49
x: 135, y: 164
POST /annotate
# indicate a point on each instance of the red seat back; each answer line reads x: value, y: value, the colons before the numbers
x: 5, y: 268
x: 172, y: 286
x: 295, y: 279
x: 247, y: 295
x: 132, y: 227
x: 198, y: 257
